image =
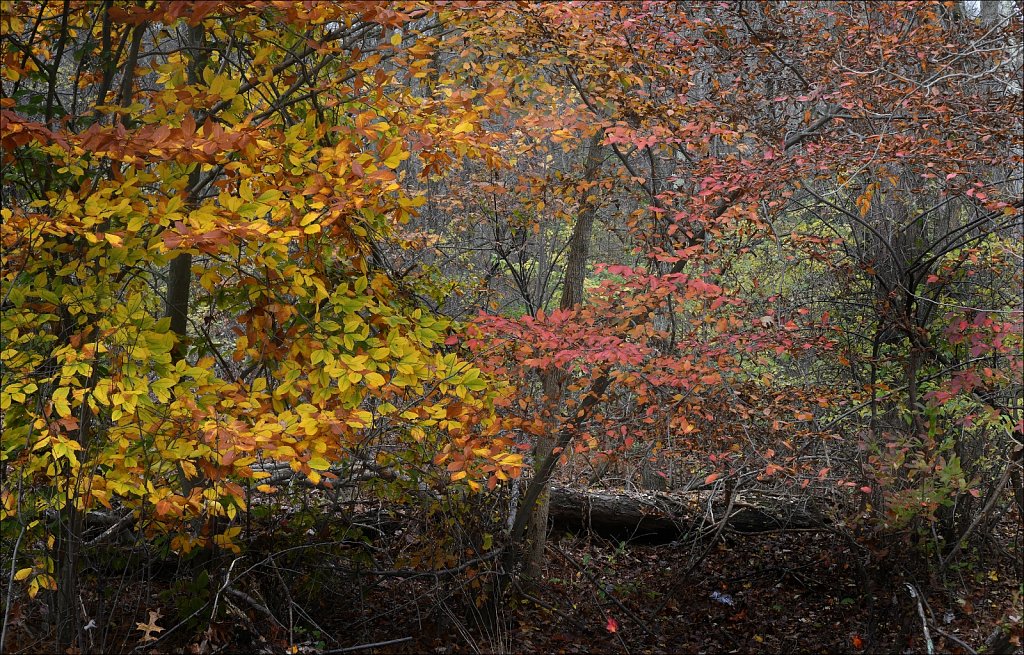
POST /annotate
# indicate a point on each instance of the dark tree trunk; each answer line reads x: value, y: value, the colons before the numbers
x: 554, y: 380
x: 179, y: 274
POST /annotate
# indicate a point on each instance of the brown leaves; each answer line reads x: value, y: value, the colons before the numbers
x: 151, y: 627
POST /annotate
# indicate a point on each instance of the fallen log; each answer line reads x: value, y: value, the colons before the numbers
x: 667, y: 516
x: 646, y: 516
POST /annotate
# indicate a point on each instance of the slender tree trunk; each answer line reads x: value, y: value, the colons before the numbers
x: 66, y: 602
x: 179, y: 274
x: 554, y: 380
x: 179, y: 280
x: 536, y: 534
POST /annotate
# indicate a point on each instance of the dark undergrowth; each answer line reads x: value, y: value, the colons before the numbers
x: 342, y: 584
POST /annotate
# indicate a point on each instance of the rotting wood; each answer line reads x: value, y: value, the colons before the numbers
x: 668, y: 516
x: 651, y: 516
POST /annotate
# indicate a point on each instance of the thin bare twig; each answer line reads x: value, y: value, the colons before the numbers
x: 121, y: 524
x: 924, y: 621
x: 551, y: 608
x: 594, y: 581
x: 996, y: 493
x: 10, y: 588
x: 377, y: 644
x: 253, y: 603
x: 962, y: 644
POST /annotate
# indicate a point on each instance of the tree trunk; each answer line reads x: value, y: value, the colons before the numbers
x: 554, y: 380
x: 179, y: 281
x: 179, y: 274
x: 537, y: 530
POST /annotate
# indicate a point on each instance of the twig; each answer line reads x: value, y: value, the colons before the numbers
x: 310, y: 621
x: 410, y: 574
x: 288, y: 597
x: 198, y: 611
x: 718, y: 528
x: 718, y: 532
x: 10, y: 588
x: 460, y: 628
x: 121, y: 524
x: 594, y: 581
x: 223, y: 588
x: 970, y: 651
x: 551, y: 608
x: 978, y: 519
x: 253, y: 603
x: 378, y: 644
x: 924, y: 621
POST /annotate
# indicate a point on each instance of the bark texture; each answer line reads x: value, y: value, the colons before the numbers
x: 554, y: 380
x: 667, y: 516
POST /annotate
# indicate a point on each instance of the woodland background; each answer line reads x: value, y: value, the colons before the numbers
x: 505, y: 326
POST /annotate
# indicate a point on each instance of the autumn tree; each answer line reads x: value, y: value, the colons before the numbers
x: 193, y: 198
x: 729, y: 122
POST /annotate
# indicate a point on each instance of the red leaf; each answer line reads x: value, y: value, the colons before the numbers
x: 711, y: 478
x: 612, y: 625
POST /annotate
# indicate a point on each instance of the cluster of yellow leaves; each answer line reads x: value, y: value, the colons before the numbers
x: 297, y: 347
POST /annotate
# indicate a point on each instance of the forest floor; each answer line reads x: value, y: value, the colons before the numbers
x: 769, y: 593
x: 778, y: 592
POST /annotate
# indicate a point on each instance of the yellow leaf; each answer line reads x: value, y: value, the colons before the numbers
x: 47, y: 582
x: 420, y: 49
x: 60, y: 402
x: 23, y: 573
x: 100, y: 391
x: 374, y: 380
x: 464, y: 126
x: 319, y: 463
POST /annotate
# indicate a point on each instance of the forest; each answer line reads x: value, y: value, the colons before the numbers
x: 511, y: 327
